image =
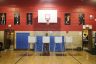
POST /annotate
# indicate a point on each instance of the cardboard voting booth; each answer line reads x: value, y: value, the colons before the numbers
x: 58, y: 39
x: 58, y: 44
x: 68, y: 39
x: 31, y: 39
x: 46, y: 41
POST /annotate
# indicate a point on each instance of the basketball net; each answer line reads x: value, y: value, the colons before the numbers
x: 47, y: 18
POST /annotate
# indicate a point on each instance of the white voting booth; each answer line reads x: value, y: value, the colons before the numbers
x: 58, y: 39
x: 46, y: 39
x: 69, y: 40
x: 31, y: 40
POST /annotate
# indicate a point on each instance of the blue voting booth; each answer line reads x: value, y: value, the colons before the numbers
x: 51, y: 43
x: 53, y: 47
x: 22, y: 43
x: 38, y: 44
x: 59, y: 47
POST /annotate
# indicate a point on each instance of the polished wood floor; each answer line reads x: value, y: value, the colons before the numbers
x: 29, y: 57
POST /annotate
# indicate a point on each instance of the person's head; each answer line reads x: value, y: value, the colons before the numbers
x: 46, y: 34
x: 84, y: 34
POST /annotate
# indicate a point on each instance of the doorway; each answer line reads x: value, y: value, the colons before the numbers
x: 87, y: 39
x: 9, y: 39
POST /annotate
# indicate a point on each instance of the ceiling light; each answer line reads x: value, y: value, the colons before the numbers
x: 93, y: 0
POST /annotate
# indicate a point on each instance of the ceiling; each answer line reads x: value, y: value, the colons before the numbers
x: 34, y: 2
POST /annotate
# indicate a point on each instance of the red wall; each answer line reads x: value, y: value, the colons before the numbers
x: 73, y: 8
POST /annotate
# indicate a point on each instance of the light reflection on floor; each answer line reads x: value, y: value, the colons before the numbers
x: 29, y: 57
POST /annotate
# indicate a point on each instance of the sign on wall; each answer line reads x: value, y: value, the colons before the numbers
x: 16, y: 18
x: 45, y: 16
x: 67, y: 19
x: 29, y: 18
x: 81, y: 19
x: 2, y: 18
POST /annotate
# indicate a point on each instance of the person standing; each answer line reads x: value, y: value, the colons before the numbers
x: 85, y: 40
x: 2, y: 18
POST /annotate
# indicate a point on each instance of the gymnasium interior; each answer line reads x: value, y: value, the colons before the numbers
x: 47, y: 32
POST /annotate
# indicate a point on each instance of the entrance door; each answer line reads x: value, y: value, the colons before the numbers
x: 9, y: 39
x: 87, y: 39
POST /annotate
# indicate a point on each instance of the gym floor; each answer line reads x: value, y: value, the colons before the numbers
x: 29, y: 57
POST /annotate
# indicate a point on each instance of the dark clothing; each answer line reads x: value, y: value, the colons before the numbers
x: 1, y: 46
x: 7, y: 44
x: 85, y: 41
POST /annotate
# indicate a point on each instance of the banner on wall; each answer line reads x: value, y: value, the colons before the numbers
x: 16, y: 18
x: 29, y: 18
x: 45, y: 16
x: 67, y: 19
x: 2, y: 18
x: 81, y: 18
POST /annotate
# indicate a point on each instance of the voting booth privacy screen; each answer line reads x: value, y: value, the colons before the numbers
x: 53, y: 47
x: 46, y: 39
x: 31, y: 39
x: 56, y: 44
